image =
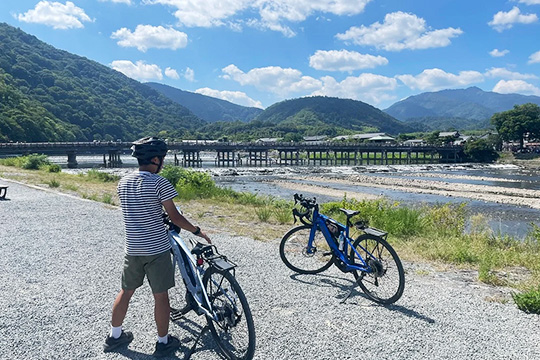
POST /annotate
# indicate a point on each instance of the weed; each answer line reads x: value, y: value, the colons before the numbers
x: 263, y: 213
x: 107, y: 199
x: 101, y: 176
x: 528, y: 301
x: 53, y: 183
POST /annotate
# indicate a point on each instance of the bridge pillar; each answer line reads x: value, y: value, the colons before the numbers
x: 191, y: 158
x: 225, y: 158
x: 114, y: 159
x: 72, y: 159
x: 258, y: 157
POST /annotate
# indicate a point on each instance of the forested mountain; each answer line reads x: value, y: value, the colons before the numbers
x: 344, y: 113
x: 469, y: 108
x: 48, y: 94
x: 318, y: 115
x: 206, y: 107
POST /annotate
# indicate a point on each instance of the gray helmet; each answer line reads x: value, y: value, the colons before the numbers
x: 149, y: 147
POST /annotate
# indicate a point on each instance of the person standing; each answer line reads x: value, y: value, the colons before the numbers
x: 143, y: 195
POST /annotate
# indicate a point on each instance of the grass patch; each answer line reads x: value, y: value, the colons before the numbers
x: 53, y: 183
x: 528, y: 301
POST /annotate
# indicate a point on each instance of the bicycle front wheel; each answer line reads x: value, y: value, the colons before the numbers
x: 295, y: 254
x: 385, y: 281
x: 233, y: 329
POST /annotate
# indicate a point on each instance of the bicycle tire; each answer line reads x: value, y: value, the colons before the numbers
x: 386, y: 283
x: 293, y: 246
x: 234, y: 333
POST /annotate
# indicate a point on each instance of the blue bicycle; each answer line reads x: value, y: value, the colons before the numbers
x: 321, y: 241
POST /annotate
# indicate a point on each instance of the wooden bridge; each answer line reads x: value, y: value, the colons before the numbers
x: 228, y: 154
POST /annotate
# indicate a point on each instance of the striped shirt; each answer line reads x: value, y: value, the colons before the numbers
x: 141, y: 194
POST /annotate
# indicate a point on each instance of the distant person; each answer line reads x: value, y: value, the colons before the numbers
x: 143, y: 195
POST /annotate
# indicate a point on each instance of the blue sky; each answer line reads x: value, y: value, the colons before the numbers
x: 259, y: 52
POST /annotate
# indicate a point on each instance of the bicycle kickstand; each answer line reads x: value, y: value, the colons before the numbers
x: 349, y: 295
x: 192, y: 350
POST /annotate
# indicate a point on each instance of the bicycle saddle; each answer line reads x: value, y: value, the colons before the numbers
x: 350, y: 213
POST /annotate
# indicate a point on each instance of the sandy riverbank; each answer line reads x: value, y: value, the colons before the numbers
x: 495, y: 194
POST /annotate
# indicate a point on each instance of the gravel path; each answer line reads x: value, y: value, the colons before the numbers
x: 60, y: 266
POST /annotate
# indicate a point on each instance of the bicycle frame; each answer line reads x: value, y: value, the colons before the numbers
x: 183, y: 258
x: 319, y: 221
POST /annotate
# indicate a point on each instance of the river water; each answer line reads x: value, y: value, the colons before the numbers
x: 503, y: 219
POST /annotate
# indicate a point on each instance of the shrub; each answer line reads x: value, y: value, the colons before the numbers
x: 263, y: 213
x: 528, y: 301
x: 34, y: 161
x: 54, y: 168
x: 53, y: 183
x: 101, y: 176
x: 172, y: 173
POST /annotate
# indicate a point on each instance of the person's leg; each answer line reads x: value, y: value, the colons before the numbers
x: 161, y: 313
x: 120, y: 307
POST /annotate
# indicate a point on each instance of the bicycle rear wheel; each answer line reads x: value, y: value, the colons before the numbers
x: 294, y: 252
x: 234, y: 330
x: 386, y: 280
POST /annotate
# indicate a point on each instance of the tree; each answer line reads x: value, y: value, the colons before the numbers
x: 480, y: 151
x: 522, y: 120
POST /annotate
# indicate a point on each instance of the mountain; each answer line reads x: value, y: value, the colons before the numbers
x: 206, y: 107
x: 48, y: 94
x: 328, y: 111
x: 468, y: 108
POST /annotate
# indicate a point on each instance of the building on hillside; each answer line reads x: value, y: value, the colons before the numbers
x: 382, y: 139
x: 454, y: 134
x: 267, y: 140
x: 315, y: 138
x: 357, y: 137
x: 415, y: 142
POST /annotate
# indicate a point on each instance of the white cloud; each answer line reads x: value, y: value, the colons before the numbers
x: 57, y: 15
x: 146, y: 36
x: 236, y: 97
x: 399, y: 31
x: 128, y: 2
x: 189, y: 74
x: 344, y: 60
x: 437, y: 79
x: 516, y: 87
x: 498, y: 53
x: 370, y: 88
x: 273, y: 14
x: 534, y: 58
x: 507, y: 74
x: 274, y: 79
x: 505, y: 20
x: 530, y: 2
x: 139, y: 71
x: 172, y: 73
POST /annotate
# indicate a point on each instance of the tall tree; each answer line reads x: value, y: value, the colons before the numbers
x: 522, y: 120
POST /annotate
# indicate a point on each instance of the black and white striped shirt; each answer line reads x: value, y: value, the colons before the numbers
x: 141, y: 194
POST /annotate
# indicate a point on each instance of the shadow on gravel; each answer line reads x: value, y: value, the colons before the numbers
x: 204, y: 341
x: 350, y: 291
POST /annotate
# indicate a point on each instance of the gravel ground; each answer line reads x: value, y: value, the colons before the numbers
x: 60, y: 266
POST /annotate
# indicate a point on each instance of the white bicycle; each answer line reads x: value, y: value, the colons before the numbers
x: 212, y: 291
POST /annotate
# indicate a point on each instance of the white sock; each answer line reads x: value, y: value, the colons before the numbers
x: 163, y: 339
x: 116, y: 331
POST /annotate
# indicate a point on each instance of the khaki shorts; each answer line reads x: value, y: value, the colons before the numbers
x: 157, y: 268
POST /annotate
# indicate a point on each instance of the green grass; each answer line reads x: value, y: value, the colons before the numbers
x: 528, y: 301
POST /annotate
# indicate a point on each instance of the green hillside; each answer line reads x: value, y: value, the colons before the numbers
x: 48, y: 94
x: 343, y: 113
x: 472, y: 107
x: 206, y: 107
